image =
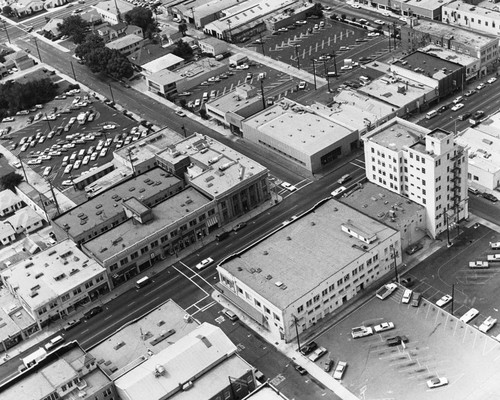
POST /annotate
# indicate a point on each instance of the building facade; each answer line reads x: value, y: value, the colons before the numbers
x: 428, y: 167
x: 476, y: 17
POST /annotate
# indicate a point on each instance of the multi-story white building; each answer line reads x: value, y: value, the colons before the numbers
x: 426, y: 166
x: 55, y: 282
x: 477, y: 17
x: 305, y: 271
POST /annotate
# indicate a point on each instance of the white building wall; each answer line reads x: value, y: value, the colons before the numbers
x: 463, y: 16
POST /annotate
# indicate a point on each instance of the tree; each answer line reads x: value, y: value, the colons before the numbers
x: 182, y: 49
x: 143, y: 18
x: 75, y: 27
x: 16, y: 96
x: 91, y: 43
x: 118, y: 66
x: 7, y: 10
x: 10, y: 181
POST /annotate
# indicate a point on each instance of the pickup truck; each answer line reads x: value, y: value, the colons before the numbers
x: 493, y: 257
x: 478, y: 264
x: 386, y: 290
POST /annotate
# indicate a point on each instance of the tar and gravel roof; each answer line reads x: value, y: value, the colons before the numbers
x: 305, y: 253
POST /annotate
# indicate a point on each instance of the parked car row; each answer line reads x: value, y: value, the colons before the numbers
x: 315, y: 352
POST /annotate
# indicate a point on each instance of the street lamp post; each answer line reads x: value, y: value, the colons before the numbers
x: 326, y: 75
x: 48, y: 123
x: 297, y: 55
x: 262, y: 94
x: 37, y: 49
x: 73, y: 69
x: 6, y: 31
x: 111, y: 91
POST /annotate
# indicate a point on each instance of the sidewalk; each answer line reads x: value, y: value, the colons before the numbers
x: 120, y: 290
x: 290, y: 349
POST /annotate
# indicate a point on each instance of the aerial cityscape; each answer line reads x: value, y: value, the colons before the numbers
x: 237, y: 199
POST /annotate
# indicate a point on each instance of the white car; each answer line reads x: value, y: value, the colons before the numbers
x: 288, y: 186
x: 480, y: 86
x: 469, y: 315
x: 379, y: 22
x: 356, y: 6
x: 318, y: 353
x: 373, y: 34
x: 8, y: 119
x: 67, y: 183
x: 491, y: 80
x: 338, y: 191
x: 109, y: 126
x: 302, y: 85
x: 444, y: 300
x: 361, y: 331
x: 457, y: 107
x: 487, y: 324
x: 204, y: 263
x: 339, y: 371
x: 180, y: 113
x: 436, y: 382
x: 384, y: 326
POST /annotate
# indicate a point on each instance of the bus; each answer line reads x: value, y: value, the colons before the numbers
x: 34, y: 358
x: 142, y: 282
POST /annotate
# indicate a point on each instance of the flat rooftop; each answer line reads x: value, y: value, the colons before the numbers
x: 108, y: 204
x: 164, y: 77
x: 349, y: 105
x: 130, y: 344
x: 298, y: 127
x: 163, y: 62
x: 449, y: 55
x: 484, y: 149
x: 428, y: 64
x: 195, y: 68
x: 13, y: 318
x: 425, y: 4
x: 295, y: 257
x: 202, y: 8
x: 397, y: 134
x: 124, y: 41
x: 483, y: 9
x: 122, y: 237
x: 377, y: 202
x: 232, y: 102
x: 52, y: 273
x: 471, y: 38
x: 215, y: 168
x: 398, y: 94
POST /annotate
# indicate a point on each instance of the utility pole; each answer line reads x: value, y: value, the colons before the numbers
x: 295, y: 322
x: 262, y: 94
x: 447, y: 228
x: 297, y: 55
x: 73, y: 69
x: 54, y: 197
x: 184, y: 130
x: 37, y: 49
x: 262, y: 44
x: 48, y: 123
x: 22, y: 167
x: 314, y: 73
x: 389, y: 28
x: 111, y: 91
x: 452, y: 296
x: 335, y: 64
x: 326, y: 75
x: 6, y: 31
x: 131, y: 162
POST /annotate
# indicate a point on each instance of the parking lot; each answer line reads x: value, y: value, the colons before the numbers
x: 316, y: 39
x: 276, y: 84
x: 439, y: 344
x: 44, y: 144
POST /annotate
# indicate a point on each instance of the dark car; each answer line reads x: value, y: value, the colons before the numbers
x: 308, y: 348
x: 413, y: 248
x: 393, y: 341
x: 407, y: 282
x: 300, y: 370
x: 442, y: 108
x: 415, y: 299
x: 93, y: 312
x: 490, y: 197
x: 328, y: 365
x: 239, y: 226
x: 464, y: 116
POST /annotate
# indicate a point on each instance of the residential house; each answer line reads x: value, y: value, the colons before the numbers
x: 27, y: 7
x: 7, y: 234
x: 126, y: 44
x: 9, y: 202
x: 26, y: 220
x: 20, y: 59
x: 51, y: 28
x: 112, y: 11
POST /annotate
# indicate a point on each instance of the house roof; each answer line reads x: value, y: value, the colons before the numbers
x: 52, y: 26
x: 123, y: 42
x: 24, y: 217
x: 8, y: 198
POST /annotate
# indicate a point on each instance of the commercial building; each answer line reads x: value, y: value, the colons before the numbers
x: 287, y: 18
x: 483, y: 17
x: 301, y: 136
x: 483, y: 143
x: 188, y: 189
x: 126, y: 45
x: 200, y: 12
x: 204, y: 361
x: 429, y: 9
x: 471, y: 64
x: 212, y: 46
x: 389, y: 208
x: 428, y: 167
x: 308, y: 269
x: 347, y: 107
x: 166, y: 83
x: 168, y: 61
x: 55, y: 282
x: 419, y: 33
x: 235, y: 106
x: 66, y: 373
x: 245, y: 19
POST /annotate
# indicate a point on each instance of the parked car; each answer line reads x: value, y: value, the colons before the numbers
x: 469, y: 93
x: 229, y: 314
x: 415, y: 301
x: 302, y: 85
x: 444, y: 300
x: 490, y: 197
x: 317, y: 354
x: 487, y: 324
x: 71, y: 324
x: 93, y: 312
x: 393, y: 341
x: 413, y: 248
x: 299, y: 369
x: 361, y: 331
x: 384, y: 326
x: 480, y: 86
x: 492, y: 80
x: 204, y: 263
x: 436, y: 382
x: 239, y: 226
x: 469, y: 315
x: 308, y: 348
x: 457, y: 107
x: 408, y: 282
x: 345, y: 178
x: 328, y: 365
x: 340, y: 370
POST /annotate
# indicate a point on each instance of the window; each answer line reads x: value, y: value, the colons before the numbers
x: 300, y: 309
x: 113, y: 267
x: 267, y: 310
x: 339, y: 282
x: 309, y: 303
x: 154, y: 244
x: 134, y: 255
x: 276, y: 317
x: 123, y: 261
x: 144, y: 250
x: 316, y: 298
x: 65, y: 297
x: 77, y: 291
x: 257, y: 303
